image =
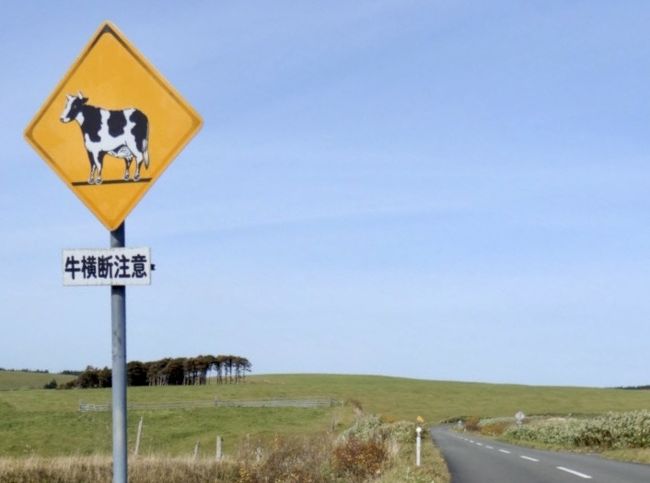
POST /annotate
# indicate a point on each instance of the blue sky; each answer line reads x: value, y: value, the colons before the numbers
x: 441, y: 190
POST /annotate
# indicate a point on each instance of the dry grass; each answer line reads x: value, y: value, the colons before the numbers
x: 55, y: 470
x: 376, y: 452
x: 98, y: 469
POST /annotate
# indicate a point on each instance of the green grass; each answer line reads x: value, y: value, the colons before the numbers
x: 48, y: 422
x: 400, y: 398
x: 12, y: 380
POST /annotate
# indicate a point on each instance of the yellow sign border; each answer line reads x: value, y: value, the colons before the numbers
x: 108, y: 28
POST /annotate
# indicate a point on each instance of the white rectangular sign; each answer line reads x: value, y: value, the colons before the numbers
x: 107, y: 266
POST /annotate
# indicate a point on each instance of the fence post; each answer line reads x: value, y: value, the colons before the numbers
x: 218, y: 454
x: 418, y: 445
x: 137, y: 438
x: 196, y: 450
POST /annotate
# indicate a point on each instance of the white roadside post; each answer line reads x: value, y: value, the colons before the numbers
x: 520, y: 417
x: 418, y: 445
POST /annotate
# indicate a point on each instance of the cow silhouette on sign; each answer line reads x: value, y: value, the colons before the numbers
x: 122, y: 134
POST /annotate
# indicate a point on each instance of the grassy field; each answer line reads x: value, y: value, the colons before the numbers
x: 48, y: 422
x: 10, y: 380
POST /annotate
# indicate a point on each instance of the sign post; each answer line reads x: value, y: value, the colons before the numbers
x: 118, y: 326
x: 109, y: 129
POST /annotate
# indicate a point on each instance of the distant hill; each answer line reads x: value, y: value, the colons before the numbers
x: 11, y: 380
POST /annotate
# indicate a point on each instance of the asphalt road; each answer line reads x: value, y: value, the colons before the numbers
x: 473, y: 459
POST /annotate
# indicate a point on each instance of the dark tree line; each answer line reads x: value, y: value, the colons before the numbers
x: 177, y: 371
x: 32, y: 371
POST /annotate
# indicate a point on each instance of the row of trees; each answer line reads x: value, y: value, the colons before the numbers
x: 222, y: 369
x: 32, y: 371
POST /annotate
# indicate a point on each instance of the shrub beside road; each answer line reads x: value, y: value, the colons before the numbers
x: 619, y: 435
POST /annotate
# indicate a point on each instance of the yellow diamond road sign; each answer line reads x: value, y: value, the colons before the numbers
x: 112, y: 126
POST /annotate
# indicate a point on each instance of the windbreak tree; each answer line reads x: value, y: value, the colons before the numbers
x: 136, y: 373
x: 229, y: 369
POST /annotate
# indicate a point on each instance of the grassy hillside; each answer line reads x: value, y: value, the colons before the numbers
x: 10, y: 380
x: 48, y: 422
x: 435, y: 400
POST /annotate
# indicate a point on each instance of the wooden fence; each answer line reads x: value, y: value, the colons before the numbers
x: 279, y: 403
x: 217, y: 403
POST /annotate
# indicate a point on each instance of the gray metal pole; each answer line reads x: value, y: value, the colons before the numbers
x: 118, y: 323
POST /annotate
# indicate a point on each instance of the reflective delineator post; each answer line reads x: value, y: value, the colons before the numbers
x: 118, y: 324
x: 418, y: 445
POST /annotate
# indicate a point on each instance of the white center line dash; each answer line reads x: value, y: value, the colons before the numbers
x: 505, y: 451
x: 529, y: 458
x: 573, y: 472
x: 489, y: 447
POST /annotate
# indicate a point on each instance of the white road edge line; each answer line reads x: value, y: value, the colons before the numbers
x: 505, y: 451
x: 480, y: 444
x: 489, y: 447
x: 573, y: 472
x: 529, y: 458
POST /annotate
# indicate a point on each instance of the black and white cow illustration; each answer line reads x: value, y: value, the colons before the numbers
x: 123, y: 134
